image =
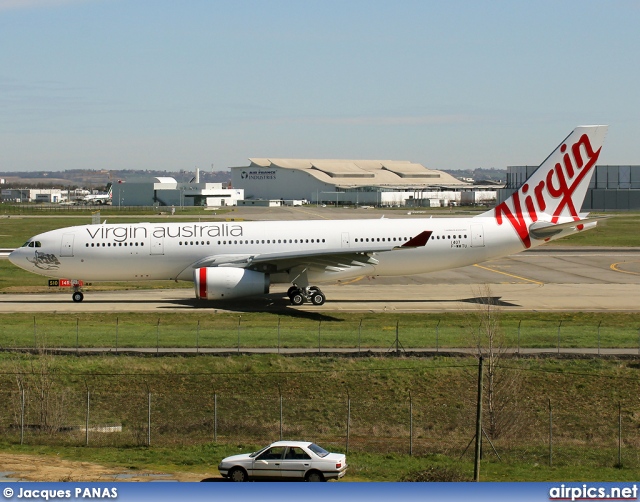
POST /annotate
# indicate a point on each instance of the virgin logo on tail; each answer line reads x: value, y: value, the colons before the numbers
x: 553, y: 193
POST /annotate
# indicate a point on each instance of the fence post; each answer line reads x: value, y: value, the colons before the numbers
x: 348, y: 420
x: 410, y: 425
x: 280, y: 394
x: 619, y: 435
x: 149, y: 419
x: 550, y: 434
x: 559, y: 326
x: 239, y: 321
x: 22, y: 406
x: 476, y: 468
x: 215, y: 417
x: 86, y: 424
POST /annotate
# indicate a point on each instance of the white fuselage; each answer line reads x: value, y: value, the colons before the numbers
x: 169, y: 251
x: 234, y: 259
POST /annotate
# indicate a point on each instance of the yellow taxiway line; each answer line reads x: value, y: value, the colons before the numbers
x: 509, y: 275
x: 614, y: 266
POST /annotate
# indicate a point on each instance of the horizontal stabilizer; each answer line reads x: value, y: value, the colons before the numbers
x: 543, y: 230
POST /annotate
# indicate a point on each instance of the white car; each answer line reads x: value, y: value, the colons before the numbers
x: 285, y: 460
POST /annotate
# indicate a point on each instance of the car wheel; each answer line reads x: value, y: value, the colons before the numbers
x: 314, y: 476
x: 238, y: 475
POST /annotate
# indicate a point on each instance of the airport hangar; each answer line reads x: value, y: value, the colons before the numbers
x: 166, y: 191
x: 612, y: 188
x: 354, y: 182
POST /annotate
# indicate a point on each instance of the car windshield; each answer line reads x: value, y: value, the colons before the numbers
x: 255, y: 453
x: 321, y: 452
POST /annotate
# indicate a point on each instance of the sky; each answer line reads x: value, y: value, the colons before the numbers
x: 157, y: 84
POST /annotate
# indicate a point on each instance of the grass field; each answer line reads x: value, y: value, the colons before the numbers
x: 585, y: 395
x: 331, y: 330
x: 620, y: 229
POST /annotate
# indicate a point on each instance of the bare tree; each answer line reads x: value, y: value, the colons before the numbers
x: 501, y: 385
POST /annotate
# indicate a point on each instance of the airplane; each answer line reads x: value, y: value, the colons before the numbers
x: 227, y: 260
x: 100, y: 198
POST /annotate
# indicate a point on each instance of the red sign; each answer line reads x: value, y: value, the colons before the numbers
x: 65, y: 283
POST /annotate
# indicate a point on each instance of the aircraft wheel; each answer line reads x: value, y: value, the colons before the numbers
x: 318, y: 298
x: 291, y: 291
x: 77, y: 296
x: 297, y: 299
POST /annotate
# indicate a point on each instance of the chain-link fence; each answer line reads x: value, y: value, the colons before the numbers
x: 286, y: 333
x: 122, y: 411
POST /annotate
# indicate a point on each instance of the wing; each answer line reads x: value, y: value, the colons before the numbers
x: 337, y: 260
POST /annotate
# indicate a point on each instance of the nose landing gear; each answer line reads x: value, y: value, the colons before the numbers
x: 77, y: 295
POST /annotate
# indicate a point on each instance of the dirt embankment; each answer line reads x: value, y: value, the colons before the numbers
x: 48, y: 468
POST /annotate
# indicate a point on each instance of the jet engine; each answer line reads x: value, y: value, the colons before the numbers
x: 224, y: 283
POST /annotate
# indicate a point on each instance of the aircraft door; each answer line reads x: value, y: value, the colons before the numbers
x: 157, y: 245
x: 66, y: 247
x: 477, y: 236
x: 345, y: 240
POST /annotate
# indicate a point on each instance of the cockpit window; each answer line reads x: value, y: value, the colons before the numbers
x: 32, y: 244
x: 26, y: 244
x: 38, y: 244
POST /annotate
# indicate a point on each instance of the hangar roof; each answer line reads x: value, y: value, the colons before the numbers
x: 349, y: 173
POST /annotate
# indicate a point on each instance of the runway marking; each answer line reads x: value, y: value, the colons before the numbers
x: 510, y: 275
x: 614, y: 267
x: 312, y: 213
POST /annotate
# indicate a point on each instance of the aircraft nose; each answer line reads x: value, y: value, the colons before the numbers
x: 13, y: 256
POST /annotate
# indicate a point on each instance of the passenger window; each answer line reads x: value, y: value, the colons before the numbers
x: 275, y: 453
x: 295, y: 453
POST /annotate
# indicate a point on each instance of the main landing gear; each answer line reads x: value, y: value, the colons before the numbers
x: 312, y: 294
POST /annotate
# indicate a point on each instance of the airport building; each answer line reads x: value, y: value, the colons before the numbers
x: 166, y: 191
x: 611, y: 188
x: 33, y: 195
x: 359, y: 182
